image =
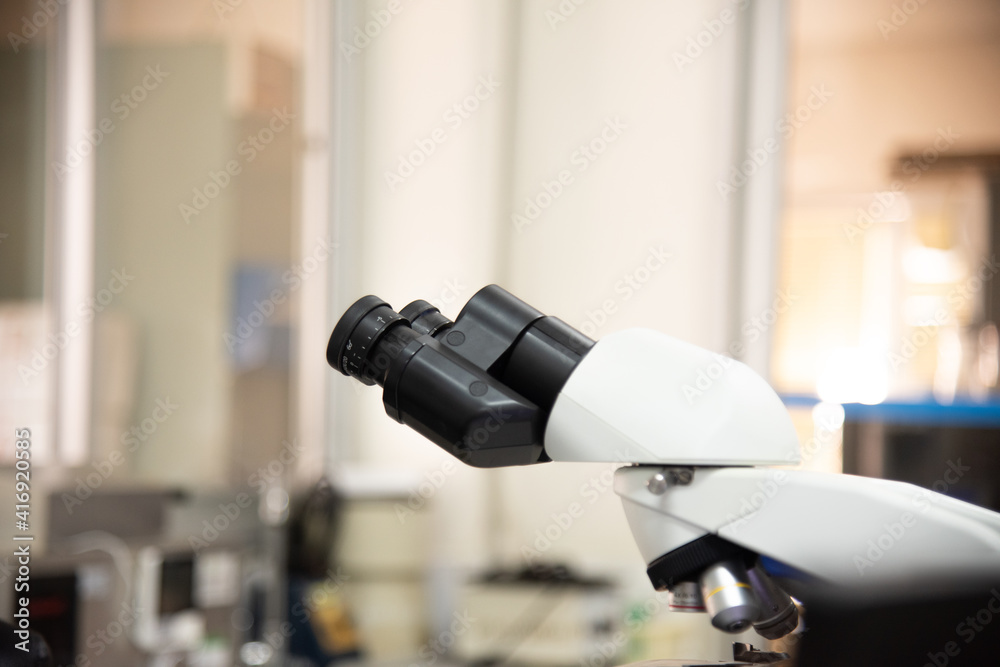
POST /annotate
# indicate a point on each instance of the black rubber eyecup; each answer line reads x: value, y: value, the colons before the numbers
x: 346, y: 326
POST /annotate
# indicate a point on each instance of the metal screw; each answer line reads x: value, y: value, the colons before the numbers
x: 657, y: 484
x: 682, y: 476
x: 668, y: 477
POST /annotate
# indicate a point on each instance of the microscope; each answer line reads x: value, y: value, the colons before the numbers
x: 721, y: 521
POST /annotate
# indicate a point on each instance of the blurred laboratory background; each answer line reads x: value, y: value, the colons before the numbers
x: 194, y: 191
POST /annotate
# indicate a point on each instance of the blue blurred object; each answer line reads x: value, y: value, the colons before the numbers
x: 257, y: 333
x: 963, y: 411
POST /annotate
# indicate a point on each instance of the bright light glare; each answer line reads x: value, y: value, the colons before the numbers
x: 932, y: 266
x: 853, y: 375
x: 828, y: 416
x: 256, y: 653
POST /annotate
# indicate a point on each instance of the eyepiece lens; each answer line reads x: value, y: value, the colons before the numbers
x: 357, y: 334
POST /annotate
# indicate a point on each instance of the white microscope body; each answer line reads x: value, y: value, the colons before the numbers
x: 835, y: 529
x: 709, y: 496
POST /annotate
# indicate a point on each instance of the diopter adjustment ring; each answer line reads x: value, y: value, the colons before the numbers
x: 356, y: 335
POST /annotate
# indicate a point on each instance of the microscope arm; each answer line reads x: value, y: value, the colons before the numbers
x: 837, y: 529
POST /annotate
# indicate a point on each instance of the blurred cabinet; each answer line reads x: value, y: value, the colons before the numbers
x: 383, y: 551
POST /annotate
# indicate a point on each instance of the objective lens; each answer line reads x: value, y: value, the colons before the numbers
x: 686, y: 597
x: 779, y: 615
x: 366, y: 339
x: 728, y: 596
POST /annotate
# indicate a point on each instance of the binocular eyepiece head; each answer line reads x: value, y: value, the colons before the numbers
x: 496, y: 370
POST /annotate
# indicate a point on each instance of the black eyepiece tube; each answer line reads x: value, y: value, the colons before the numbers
x: 425, y: 318
x: 481, y: 387
x: 355, y: 339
